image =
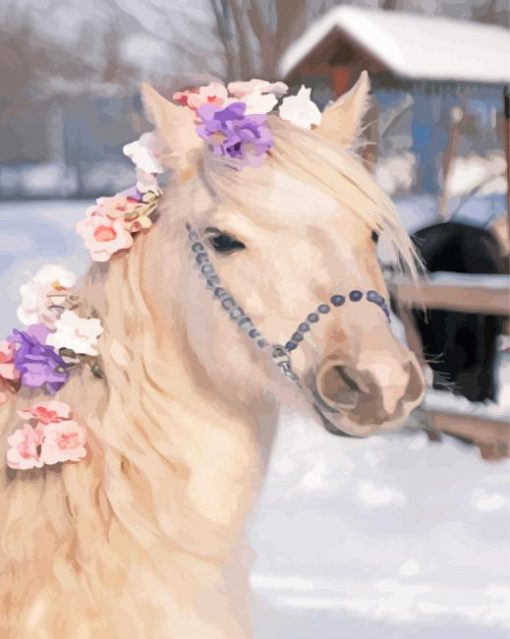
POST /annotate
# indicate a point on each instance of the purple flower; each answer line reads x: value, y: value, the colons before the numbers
x: 230, y: 133
x: 39, y: 365
x: 133, y: 193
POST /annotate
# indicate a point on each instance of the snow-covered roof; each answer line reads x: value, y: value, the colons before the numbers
x: 412, y: 46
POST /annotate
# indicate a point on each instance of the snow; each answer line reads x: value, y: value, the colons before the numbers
x: 396, y: 173
x: 418, y: 211
x: 395, y: 537
x: 391, y: 537
x: 471, y: 172
x: 412, y: 46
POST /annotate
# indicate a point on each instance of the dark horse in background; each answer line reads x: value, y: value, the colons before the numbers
x: 461, y: 348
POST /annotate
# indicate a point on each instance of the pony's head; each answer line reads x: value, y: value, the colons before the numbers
x: 294, y: 241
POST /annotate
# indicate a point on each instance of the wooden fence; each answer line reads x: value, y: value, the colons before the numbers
x: 486, y: 426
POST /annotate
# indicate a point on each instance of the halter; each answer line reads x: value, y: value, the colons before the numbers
x: 280, y: 354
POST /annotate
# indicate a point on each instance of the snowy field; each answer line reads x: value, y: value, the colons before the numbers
x: 387, y: 538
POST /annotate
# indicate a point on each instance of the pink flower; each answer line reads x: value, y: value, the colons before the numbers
x: 8, y: 373
x: 49, y: 437
x: 45, y: 413
x: 63, y: 441
x: 104, y: 231
x: 214, y: 93
x: 7, y: 370
x: 23, y: 453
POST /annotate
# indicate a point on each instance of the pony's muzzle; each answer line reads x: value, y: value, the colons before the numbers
x: 378, y: 396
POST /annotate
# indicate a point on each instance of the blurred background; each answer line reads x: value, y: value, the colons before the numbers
x: 402, y: 536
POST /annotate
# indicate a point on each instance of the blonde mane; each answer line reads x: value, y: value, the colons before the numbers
x: 128, y: 498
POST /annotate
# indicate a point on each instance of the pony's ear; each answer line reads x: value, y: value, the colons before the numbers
x: 175, y: 125
x: 342, y: 120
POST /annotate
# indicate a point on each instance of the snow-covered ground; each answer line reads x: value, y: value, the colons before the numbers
x: 387, y: 538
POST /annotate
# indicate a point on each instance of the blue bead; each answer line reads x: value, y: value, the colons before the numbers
x: 253, y: 333
x: 355, y: 296
x: 290, y: 346
x: 297, y: 337
x: 337, y: 300
x: 324, y: 308
x: 228, y: 303
x: 261, y: 343
x: 303, y: 327
x: 313, y: 317
x: 201, y: 258
x: 212, y: 281
x: 236, y: 313
x: 373, y: 296
x: 197, y: 247
x: 219, y: 292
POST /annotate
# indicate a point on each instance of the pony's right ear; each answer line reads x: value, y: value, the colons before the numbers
x: 176, y: 127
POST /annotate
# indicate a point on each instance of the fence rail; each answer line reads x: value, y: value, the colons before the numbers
x: 488, y: 429
x: 456, y: 292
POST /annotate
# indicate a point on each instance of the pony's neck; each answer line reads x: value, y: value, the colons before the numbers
x: 196, y: 450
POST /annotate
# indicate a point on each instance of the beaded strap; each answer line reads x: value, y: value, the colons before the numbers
x: 323, y: 309
x: 280, y: 354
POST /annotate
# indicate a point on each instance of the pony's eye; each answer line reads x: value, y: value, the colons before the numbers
x: 224, y: 243
x: 375, y: 237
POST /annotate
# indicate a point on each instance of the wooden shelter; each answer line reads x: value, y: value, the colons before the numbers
x: 403, y: 51
x: 397, y: 47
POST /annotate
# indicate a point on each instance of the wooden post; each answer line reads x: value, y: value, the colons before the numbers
x: 456, y: 117
x: 506, y: 100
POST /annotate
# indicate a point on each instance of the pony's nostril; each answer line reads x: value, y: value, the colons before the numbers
x: 336, y: 387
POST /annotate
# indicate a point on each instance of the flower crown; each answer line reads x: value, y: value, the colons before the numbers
x: 233, y: 122
x: 233, y: 119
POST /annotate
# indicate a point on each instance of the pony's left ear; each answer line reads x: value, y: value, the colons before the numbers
x: 176, y: 127
x: 341, y: 122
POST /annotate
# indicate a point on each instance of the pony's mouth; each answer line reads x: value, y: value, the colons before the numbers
x: 340, y: 424
x: 331, y: 427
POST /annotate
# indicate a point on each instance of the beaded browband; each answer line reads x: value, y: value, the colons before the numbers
x: 280, y: 353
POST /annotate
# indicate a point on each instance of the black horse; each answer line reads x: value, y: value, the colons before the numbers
x: 460, y: 347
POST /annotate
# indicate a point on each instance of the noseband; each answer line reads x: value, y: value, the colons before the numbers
x: 280, y: 353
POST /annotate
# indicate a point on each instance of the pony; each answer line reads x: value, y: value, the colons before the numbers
x: 144, y: 537
x: 461, y: 347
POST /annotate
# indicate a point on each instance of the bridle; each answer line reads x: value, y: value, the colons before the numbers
x: 280, y: 354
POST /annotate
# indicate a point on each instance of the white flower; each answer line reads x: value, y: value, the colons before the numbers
x: 45, y: 289
x: 77, y: 333
x: 145, y: 153
x: 241, y: 89
x: 258, y: 103
x: 300, y: 110
x: 146, y: 182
